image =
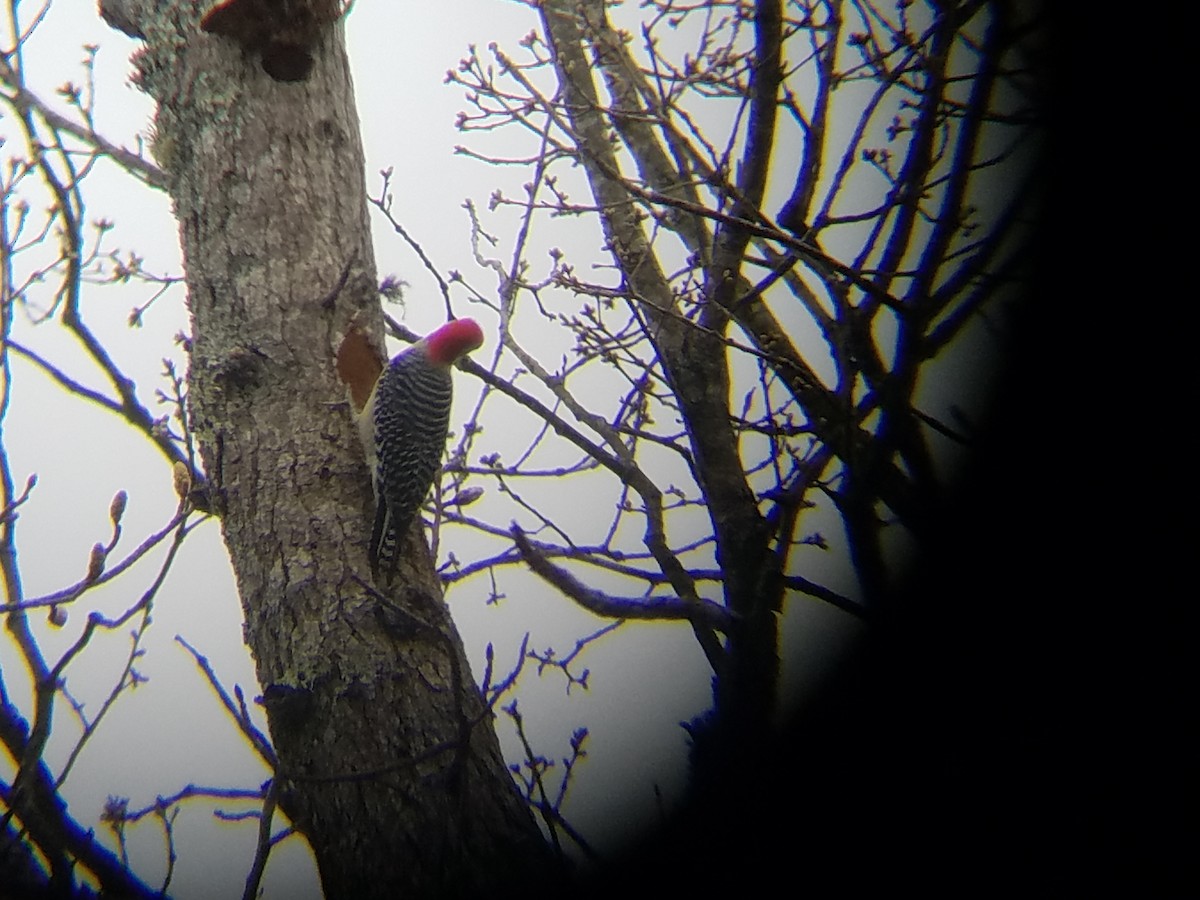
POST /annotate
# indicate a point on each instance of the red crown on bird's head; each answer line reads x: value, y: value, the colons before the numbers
x: 454, y: 339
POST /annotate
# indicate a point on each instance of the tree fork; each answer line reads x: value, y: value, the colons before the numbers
x: 694, y: 362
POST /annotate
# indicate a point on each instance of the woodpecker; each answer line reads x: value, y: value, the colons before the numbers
x: 403, y: 428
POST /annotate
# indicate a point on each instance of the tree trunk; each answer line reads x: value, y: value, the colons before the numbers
x: 388, y: 762
x: 695, y: 363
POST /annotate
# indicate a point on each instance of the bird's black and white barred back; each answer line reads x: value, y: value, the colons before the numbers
x: 404, y: 428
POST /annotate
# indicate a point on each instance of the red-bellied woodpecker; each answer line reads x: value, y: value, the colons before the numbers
x: 403, y: 428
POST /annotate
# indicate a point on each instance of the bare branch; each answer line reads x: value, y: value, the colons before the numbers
x: 239, y: 713
x: 26, y: 102
x: 265, y: 843
x: 711, y: 614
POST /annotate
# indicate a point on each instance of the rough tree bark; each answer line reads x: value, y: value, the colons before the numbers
x: 388, y: 762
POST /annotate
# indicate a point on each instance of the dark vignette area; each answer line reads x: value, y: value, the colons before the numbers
x: 1002, y: 727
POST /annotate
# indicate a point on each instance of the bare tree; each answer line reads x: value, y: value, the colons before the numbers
x: 805, y: 210
x: 781, y: 357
